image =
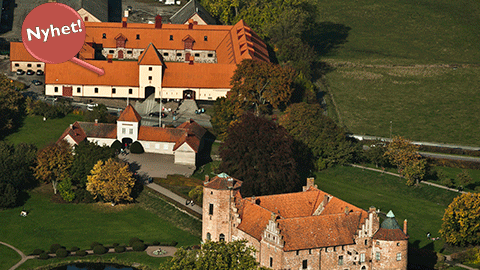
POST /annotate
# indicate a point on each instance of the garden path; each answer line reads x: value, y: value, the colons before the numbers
x: 24, y: 257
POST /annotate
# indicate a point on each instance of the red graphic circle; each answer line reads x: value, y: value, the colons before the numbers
x: 62, y: 36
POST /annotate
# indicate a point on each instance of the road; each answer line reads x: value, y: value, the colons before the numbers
x: 451, y: 157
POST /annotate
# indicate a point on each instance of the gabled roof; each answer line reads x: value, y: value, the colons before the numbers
x: 188, y: 10
x: 254, y: 219
x: 150, y: 56
x: 129, y: 115
x: 19, y: 53
x: 98, y: 8
x: 159, y: 134
x: 99, y: 130
x: 75, y: 132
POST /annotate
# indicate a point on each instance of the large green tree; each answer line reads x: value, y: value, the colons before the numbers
x: 16, y: 162
x: 327, y: 141
x: 259, y: 152
x: 216, y: 256
x: 461, y: 221
x: 12, y: 106
x: 53, y: 163
x: 404, y: 154
x: 87, y: 154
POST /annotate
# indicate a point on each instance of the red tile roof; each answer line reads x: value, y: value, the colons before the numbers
x: 75, y: 132
x: 19, y: 53
x: 223, y: 183
x: 130, y: 115
x: 390, y: 235
x: 159, y: 134
x: 150, y: 56
x: 254, y: 219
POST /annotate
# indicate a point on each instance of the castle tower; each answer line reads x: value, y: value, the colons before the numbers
x: 128, y: 124
x: 390, y: 245
x: 218, y: 195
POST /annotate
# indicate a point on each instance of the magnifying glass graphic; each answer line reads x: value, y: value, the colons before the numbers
x: 54, y: 33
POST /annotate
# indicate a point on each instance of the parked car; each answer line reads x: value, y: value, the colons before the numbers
x: 39, y: 72
x: 91, y: 106
x: 20, y: 72
x: 157, y: 114
x: 30, y: 72
x: 37, y: 82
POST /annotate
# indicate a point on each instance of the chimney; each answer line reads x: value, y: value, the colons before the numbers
x: 96, y: 122
x: 310, y: 183
x: 109, y: 58
x: 163, y: 125
x: 207, y: 178
x: 124, y: 22
x: 405, y: 227
x: 325, y: 200
x: 372, y: 209
x: 158, y: 21
x: 346, y: 210
x: 190, y: 24
x: 71, y: 126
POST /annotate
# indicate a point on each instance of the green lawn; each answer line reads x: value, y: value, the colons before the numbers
x: 8, y: 257
x: 81, y: 224
x: 35, y: 130
x: 375, y: 79
x: 422, y: 206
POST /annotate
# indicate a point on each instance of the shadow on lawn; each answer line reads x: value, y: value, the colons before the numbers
x: 421, y: 258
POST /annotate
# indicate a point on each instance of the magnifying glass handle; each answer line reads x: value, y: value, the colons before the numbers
x: 88, y: 66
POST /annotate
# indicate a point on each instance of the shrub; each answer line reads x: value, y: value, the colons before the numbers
x: 94, y: 244
x: 37, y: 251
x: 119, y: 249
x: 117, y: 145
x: 61, y: 253
x: 43, y: 256
x: 81, y: 253
x: 133, y: 240
x: 54, y: 248
x: 136, y: 148
x: 99, y: 249
x: 156, y: 243
x: 74, y: 249
x: 139, y: 246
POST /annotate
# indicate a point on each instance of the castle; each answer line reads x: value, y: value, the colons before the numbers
x: 303, y: 230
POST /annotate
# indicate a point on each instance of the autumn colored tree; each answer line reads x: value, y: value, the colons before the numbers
x: 464, y: 178
x: 216, y: 256
x: 259, y: 152
x: 461, y: 221
x: 12, y: 106
x: 327, y: 141
x: 401, y: 152
x: 53, y: 163
x: 111, y: 180
x: 257, y: 85
x: 224, y: 115
x: 415, y: 171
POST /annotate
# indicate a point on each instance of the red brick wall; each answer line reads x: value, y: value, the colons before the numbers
x: 388, y: 255
x: 219, y: 222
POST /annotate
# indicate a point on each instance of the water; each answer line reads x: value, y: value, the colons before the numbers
x: 94, y: 266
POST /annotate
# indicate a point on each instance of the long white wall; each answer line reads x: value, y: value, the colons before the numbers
x: 158, y: 147
x: 16, y: 65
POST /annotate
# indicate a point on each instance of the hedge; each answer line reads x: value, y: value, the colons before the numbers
x: 133, y: 240
x: 54, y: 248
x: 136, y: 148
x: 120, y: 249
x: 81, y: 253
x: 61, y: 253
x: 43, y: 256
x: 139, y: 246
x: 94, y: 244
x: 117, y: 145
x: 99, y: 249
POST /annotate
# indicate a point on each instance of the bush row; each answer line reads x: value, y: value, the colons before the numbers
x: 462, y: 164
x: 447, y: 150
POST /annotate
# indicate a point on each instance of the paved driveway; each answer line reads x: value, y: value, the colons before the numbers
x: 157, y: 165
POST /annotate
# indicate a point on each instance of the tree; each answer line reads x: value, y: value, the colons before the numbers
x: 224, y: 10
x: 65, y: 189
x: 12, y: 107
x: 376, y: 153
x: 224, y: 115
x: 464, y: 178
x: 53, y: 163
x: 8, y: 195
x: 86, y: 156
x: 401, y: 152
x: 259, y: 152
x: 327, y: 141
x: 100, y: 113
x: 257, y: 85
x: 415, y: 171
x: 216, y: 256
x: 16, y: 162
x: 111, y: 180
x: 461, y: 221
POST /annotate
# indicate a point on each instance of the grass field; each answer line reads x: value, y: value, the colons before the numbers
x: 372, y: 85
x: 35, y: 130
x: 81, y: 224
x: 422, y: 206
x: 8, y: 257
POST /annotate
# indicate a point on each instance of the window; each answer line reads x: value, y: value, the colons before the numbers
x: 157, y: 146
x: 165, y: 54
x: 171, y: 37
x: 398, y: 244
x: 150, y: 68
x: 205, y: 38
x: 165, y: 147
x: 179, y: 54
x: 399, y: 256
x: 340, y: 260
x: 298, y: 252
x: 17, y: 65
x: 197, y: 55
x: 210, y: 55
x: 114, y: 90
x: 39, y: 65
x: 326, y: 249
x: 79, y: 89
x: 130, y: 91
x: 209, y: 236
x: 366, y: 242
x: 111, y: 51
x: 271, y: 262
x: 123, y: 130
x: 362, y: 257
x: 138, y: 36
x: 150, y: 78
x: 129, y: 52
x: 131, y: 130
x: 364, y: 268
x: 29, y: 65
x: 56, y: 89
x: 377, y: 256
x: 304, y: 264
x: 222, y: 237
x: 104, y: 35
x: 210, y: 209
x: 334, y: 249
x: 96, y: 90
x: 310, y: 251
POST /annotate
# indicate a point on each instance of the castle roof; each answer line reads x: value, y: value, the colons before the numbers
x: 130, y: 115
x: 390, y: 230
x: 224, y: 182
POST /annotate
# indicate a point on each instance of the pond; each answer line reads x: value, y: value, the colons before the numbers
x: 94, y: 266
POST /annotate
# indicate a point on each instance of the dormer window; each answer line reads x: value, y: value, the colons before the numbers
x: 205, y: 38
x: 171, y: 37
x: 104, y: 35
x: 138, y: 36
